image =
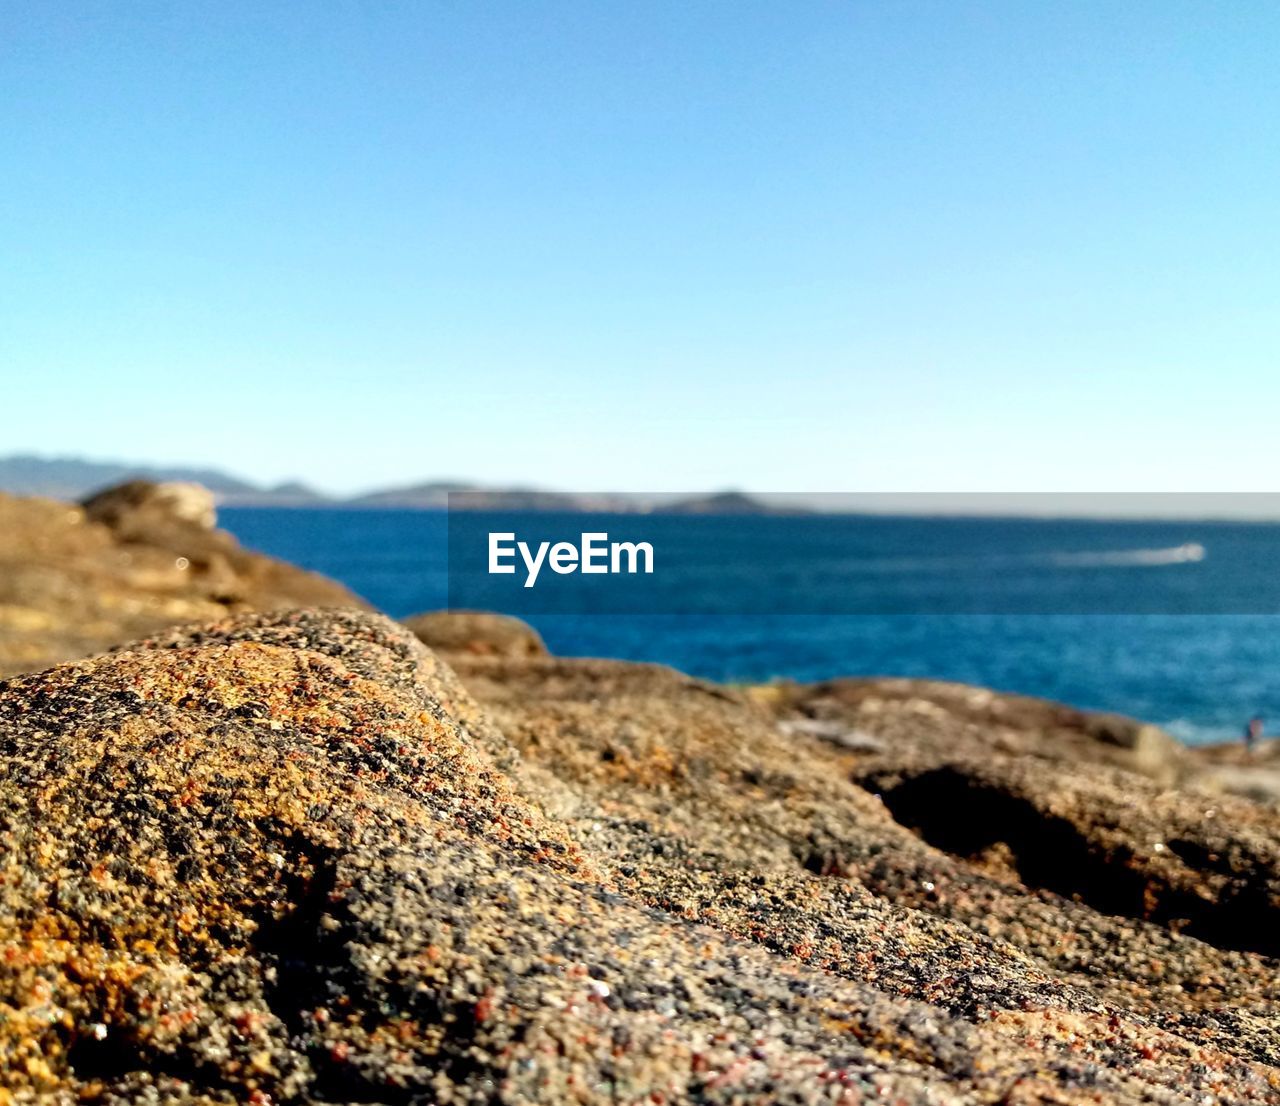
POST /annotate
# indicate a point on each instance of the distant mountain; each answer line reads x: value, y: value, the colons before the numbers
x: 459, y: 496
x: 433, y: 496
x: 293, y: 493
x: 725, y: 503
x: 73, y: 478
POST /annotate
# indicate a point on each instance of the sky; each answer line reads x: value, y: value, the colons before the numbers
x: 838, y: 247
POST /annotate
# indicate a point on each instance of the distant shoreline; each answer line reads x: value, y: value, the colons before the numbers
x: 73, y: 479
x: 356, y: 507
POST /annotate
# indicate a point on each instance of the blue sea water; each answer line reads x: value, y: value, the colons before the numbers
x: 1174, y: 622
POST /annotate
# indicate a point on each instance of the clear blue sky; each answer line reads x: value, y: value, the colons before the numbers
x: 665, y: 246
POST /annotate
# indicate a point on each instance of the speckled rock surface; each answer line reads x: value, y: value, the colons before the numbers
x: 1088, y: 879
x: 71, y: 586
x: 289, y: 859
x: 944, y: 718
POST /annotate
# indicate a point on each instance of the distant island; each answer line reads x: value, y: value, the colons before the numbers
x: 728, y: 503
x: 474, y: 497
x: 73, y: 478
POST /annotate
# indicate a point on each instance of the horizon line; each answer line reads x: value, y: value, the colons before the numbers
x: 1098, y: 506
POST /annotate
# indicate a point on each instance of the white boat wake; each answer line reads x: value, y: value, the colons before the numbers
x: 1189, y: 553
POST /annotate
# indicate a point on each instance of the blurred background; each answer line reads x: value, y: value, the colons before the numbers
x: 389, y: 250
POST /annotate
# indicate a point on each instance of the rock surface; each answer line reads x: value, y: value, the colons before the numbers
x: 75, y: 581
x: 299, y: 858
x: 946, y: 717
x: 137, y: 509
x: 287, y: 858
x: 478, y: 633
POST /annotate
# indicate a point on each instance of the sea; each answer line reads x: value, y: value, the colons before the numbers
x: 1176, y: 623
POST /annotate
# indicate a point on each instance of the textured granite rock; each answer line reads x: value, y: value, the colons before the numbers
x: 287, y: 858
x: 948, y: 717
x: 72, y: 584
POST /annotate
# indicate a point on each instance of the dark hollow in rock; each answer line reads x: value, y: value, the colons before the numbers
x: 969, y: 813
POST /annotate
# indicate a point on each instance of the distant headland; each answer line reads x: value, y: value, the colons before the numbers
x: 73, y: 478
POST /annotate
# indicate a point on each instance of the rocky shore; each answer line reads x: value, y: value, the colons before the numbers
x: 314, y: 856
x: 79, y: 579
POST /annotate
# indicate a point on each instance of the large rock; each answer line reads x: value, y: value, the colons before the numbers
x: 276, y: 860
x: 478, y: 633
x: 141, y: 507
x: 75, y: 581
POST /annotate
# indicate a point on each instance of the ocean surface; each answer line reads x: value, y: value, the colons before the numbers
x: 1019, y: 605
